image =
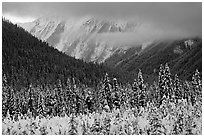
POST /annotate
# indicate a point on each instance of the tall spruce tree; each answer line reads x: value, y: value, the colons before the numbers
x: 186, y: 88
x: 68, y: 95
x: 135, y: 94
x: 167, y: 81
x: 161, y: 83
x: 107, y: 90
x: 116, y: 93
x: 11, y: 102
x: 60, y: 97
x: 142, y: 89
x: 177, y: 88
x: 4, y: 95
x: 197, y: 84
x: 31, y: 98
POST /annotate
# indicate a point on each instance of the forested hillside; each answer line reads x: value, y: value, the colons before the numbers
x: 27, y: 60
x: 182, y: 59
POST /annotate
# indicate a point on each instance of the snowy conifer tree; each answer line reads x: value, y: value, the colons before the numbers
x: 135, y: 94
x: 31, y: 98
x: 4, y: 95
x: 116, y: 94
x: 68, y: 92
x: 161, y: 83
x: 59, y: 97
x: 177, y: 88
x: 73, y: 125
x: 168, y: 82
x: 107, y: 90
x: 41, y: 104
x: 186, y: 94
x: 140, y: 80
x: 142, y: 91
x: 197, y: 84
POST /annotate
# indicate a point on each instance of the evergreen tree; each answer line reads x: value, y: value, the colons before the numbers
x: 135, y: 94
x: 140, y: 80
x: 73, y: 97
x: 116, y: 93
x: 73, y: 126
x: 177, y: 88
x: 107, y: 90
x: 197, y: 84
x: 5, y: 91
x: 186, y: 88
x: 161, y: 83
x: 155, y: 122
x: 142, y: 90
x: 68, y: 92
x: 59, y: 97
x: 11, y: 102
x: 31, y: 98
x: 41, y: 105
x: 84, y: 129
x: 16, y: 107
x: 168, y: 81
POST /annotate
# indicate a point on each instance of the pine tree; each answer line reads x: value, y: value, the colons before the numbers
x: 155, y: 122
x: 68, y: 98
x: 5, y: 91
x: 4, y: 82
x: 140, y: 80
x: 197, y: 84
x: 73, y: 126
x: 142, y: 90
x: 60, y: 97
x: 177, y: 88
x: 155, y: 90
x: 41, y: 105
x: 107, y: 90
x: 84, y: 129
x: 11, y: 102
x: 116, y: 94
x: 89, y: 103
x: 16, y: 107
x: 135, y: 94
x: 186, y: 88
x: 168, y: 81
x: 73, y: 97
x: 161, y: 83
x: 31, y: 98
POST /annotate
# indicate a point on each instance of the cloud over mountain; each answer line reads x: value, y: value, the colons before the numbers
x: 185, y: 17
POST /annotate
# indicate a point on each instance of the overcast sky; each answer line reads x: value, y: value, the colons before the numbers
x: 186, y: 17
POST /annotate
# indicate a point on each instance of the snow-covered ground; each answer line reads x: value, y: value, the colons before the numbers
x: 168, y: 119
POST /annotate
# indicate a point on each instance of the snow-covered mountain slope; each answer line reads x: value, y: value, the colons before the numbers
x: 88, y: 38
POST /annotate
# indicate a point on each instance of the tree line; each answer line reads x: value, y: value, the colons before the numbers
x: 72, y: 98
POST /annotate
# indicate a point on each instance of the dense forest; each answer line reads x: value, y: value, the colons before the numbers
x: 27, y: 60
x: 167, y: 107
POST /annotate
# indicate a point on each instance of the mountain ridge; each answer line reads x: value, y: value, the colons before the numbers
x: 79, y: 37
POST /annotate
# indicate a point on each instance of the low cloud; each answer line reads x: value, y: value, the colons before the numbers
x: 144, y: 34
x: 166, y: 19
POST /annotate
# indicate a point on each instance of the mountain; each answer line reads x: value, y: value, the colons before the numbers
x: 117, y: 44
x: 88, y: 38
x: 184, y: 56
x: 26, y: 60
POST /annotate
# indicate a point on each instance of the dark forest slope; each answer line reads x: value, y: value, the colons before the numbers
x: 28, y: 60
x: 181, y: 59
